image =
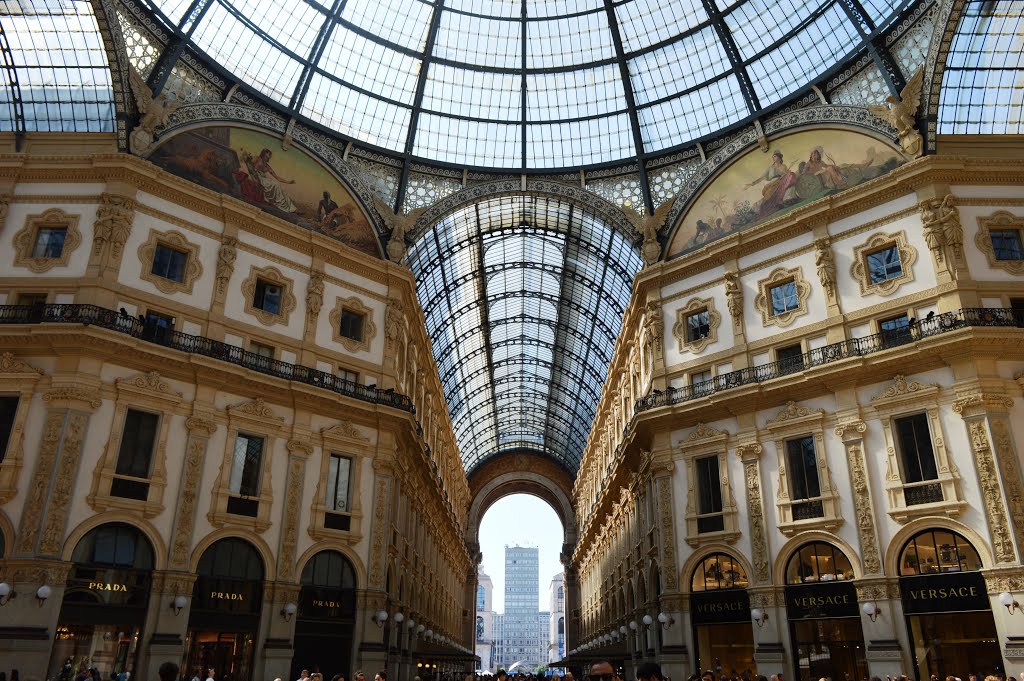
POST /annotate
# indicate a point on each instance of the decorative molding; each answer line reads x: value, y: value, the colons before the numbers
x: 1009, y: 470
x: 271, y: 275
x: 344, y: 430
x: 151, y: 383
x: 762, y: 303
x: 852, y: 434
x: 178, y: 242
x: 71, y: 394
x: 983, y: 239
x: 734, y: 297
x: 113, y: 224
x: 755, y: 518
x: 256, y: 409
x: 290, y: 521
x: 188, y: 498
x: 65, y: 473
x: 825, y: 264
x: 9, y: 364
x: 202, y: 425
x: 353, y: 304
x: 314, y: 295
x: 703, y: 432
x: 681, y: 328
x: 901, y: 388
x: 25, y: 240
x: 861, y: 273
x: 226, y: 256
x: 991, y: 492
x: 940, y: 223
x: 791, y: 412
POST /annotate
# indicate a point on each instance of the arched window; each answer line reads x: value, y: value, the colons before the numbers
x: 561, y: 593
x: 115, y: 545
x: 481, y: 598
x: 818, y: 561
x: 329, y: 570
x: 231, y: 558
x: 561, y: 626
x: 719, y: 571
x: 937, y: 551
x: 479, y: 628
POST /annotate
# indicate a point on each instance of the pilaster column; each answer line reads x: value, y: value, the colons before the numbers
x: 115, y: 217
x: 200, y: 428
x: 750, y: 455
x: 852, y: 435
x: 277, y: 632
x: 27, y: 626
x: 674, y: 655
x: 44, y: 518
x: 165, y: 627
x: 771, y: 634
x: 888, y: 648
x: 298, y: 452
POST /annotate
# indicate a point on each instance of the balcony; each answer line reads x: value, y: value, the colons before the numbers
x: 92, y: 315
x: 853, y: 347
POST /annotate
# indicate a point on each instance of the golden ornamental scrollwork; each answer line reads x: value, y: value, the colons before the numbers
x: 256, y: 408
x: 151, y: 382
x: 902, y: 387
x: 73, y: 393
x: 793, y: 411
x: 369, y: 330
x: 9, y: 364
x: 851, y: 430
x: 314, y: 294
x: 226, y: 257
x: 825, y: 264
x: 981, y: 402
x: 270, y: 275
x: 778, y: 277
x: 758, y: 537
x: 201, y: 424
x: 178, y: 242
x: 681, y: 328
x: 299, y: 448
x: 63, y: 485
x: 865, y: 517
x: 188, y: 498
x: 861, y: 272
x: 750, y: 450
x: 940, y: 220
x: 293, y: 494
x: 1000, y: 220
x: 734, y: 296
x: 704, y: 432
x: 25, y: 240
x: 991, y: 492
x: 344, y: 430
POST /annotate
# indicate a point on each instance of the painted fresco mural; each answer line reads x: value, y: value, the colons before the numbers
x: 252, y: 166
x: 798, y: 168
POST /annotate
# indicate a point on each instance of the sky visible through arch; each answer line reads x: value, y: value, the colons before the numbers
x: 525, y: 520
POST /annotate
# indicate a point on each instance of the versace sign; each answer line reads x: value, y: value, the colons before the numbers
x: 715, y: 607
x: 944, y: 592
x: 817, y: 601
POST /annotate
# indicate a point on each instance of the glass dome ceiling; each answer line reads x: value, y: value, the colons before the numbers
x: 523, y: 298
x: 531, y: 84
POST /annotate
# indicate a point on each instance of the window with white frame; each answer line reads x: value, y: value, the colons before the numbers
x: 246, y: 464
x: 339, y: 470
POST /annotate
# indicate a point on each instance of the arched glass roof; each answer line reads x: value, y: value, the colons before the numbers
x: 534, y: 84
x: 523, y: 298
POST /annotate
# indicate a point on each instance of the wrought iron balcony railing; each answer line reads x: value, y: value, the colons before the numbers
x: 853, y: 347
x: 92, y: 315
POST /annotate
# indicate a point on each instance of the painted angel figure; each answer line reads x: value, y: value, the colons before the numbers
x: 901, y: 113
x: 155, y: 112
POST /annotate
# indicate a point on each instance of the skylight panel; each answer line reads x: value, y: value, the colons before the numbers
x: 495, y: 43
x: 355, y: 114
x: 295, y: 24
x: 473, y: 94
x: 574, y: 94
x: 756, y: 24
x: 586, y: 142
x: 472, y: 143
x: 674, y: 68
x: 569, y: 41
x: 403, y: 22
x: 881, y: 10
x: 691, y: 116
x: 647, y: 22
x: 491, y: 8
x: 244, y: 52
x: 556, y: 8
x: 370, y: 66
x: 174, y: 9
x: 803, y: 57
x: 61, y: 67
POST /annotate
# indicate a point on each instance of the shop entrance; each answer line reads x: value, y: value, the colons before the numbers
x: 326, y: 616
x: 720, y: 609
x: 949, y: 615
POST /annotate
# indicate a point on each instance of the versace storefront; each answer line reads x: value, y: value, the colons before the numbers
x: 105, y: 601
x: 720, y: 613
x: 824, y: 618
x: 949, y: 615
x: 226, y: 604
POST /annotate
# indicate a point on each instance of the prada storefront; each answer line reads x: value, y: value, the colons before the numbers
x: 824, y: 618
x: 326, y: 616
x: 226, y: 603
x: 104, y: 605
x: 949, y: 616
x: 720, y: 612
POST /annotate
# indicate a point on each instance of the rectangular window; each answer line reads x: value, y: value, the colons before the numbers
x: 803, y: 478
x: 709, y: 495
x: 698, y: 326
x: 346, y: 375
x: 49, y: 242
x: 918, y: 460
x: 790, y: 358
x: 700, y: 382
x: 884, y: 264
x: 8, y: 408
x: 351, y: 325
x: 267, y: 296
x: 784, y: 297
x: 31, y: 299
x: 169, y: 263
x: 137, y: 439
x: 1017, y: 310
x: 895, y: 331
x: 1006, y: 243
x: 338, y: 475
x: 262, y: 350
x: 246, y: 461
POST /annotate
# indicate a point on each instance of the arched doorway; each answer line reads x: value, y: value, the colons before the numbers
x: 226, y: 604
x: 326, y: 616
x: 824, y: 618
x: 105, y: 600
x: 723, y: 637
x: 946, y: 604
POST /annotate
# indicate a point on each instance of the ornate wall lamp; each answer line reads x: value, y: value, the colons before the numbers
x: 647, y: 620
x: 871, y: 610
x: 178, y: 604
x: 6, y: 593
x: 380, y: 617
x: 759, y: 616
x: 1005, y: 598
x: 288, y: 611
x: 42, y: 593
x: 666, y: 620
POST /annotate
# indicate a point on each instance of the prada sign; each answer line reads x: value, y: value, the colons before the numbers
x: 944, y: 592
x: 227, y: 596
x: 324, y: 603
x: 716, y: 607
x: 821, y: 600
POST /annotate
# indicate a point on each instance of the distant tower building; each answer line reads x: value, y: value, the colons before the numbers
x: 485, y: 623
x: 556, y: 621
x: 524, y: 641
